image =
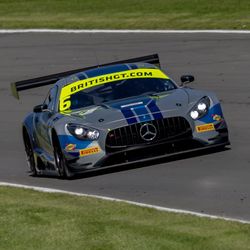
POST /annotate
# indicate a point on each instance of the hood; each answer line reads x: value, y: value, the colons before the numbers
x: 132, y: 110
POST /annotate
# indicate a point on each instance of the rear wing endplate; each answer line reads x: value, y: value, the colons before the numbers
x: 16, y: 87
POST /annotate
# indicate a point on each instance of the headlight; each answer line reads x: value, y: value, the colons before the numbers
x: 201, y: 108
x: 83, y: 133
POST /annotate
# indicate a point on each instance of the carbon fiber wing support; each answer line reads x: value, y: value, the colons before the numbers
x: 16, y: 87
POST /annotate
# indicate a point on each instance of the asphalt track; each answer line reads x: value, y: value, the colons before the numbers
x: 215, y: 183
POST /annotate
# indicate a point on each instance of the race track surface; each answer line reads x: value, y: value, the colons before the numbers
x: 213, y: 183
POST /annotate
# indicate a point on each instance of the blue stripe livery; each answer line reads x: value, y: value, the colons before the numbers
x: 215, y: 110
x: 129, y: 115
x: 155, y: 110
x: 80, y: 144
x: 142, y: 111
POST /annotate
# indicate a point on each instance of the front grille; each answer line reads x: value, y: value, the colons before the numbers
x: 167, y: 129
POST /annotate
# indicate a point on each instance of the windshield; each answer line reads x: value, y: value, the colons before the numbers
x: 105, y: 88
x: 119, y: 90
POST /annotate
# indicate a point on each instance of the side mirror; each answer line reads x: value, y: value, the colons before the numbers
x: 187, y: 79
x: 40, y: 108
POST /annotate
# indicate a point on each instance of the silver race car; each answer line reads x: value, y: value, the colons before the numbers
x: 114, y: 114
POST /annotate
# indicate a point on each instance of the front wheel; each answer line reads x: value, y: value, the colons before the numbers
x: 61, y: 163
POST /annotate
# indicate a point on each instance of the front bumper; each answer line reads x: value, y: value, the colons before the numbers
x: 176, y: 135
x: 148, y: 152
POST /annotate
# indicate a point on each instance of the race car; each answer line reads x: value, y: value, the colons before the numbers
x: 116, y: 114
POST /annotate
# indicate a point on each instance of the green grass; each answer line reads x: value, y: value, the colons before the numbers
x: 129, y: 14
x: 34, y: 220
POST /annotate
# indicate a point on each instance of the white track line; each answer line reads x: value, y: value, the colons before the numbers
x: 11, y: 31
x: 159, y: 208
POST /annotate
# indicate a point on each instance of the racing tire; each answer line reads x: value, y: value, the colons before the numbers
x: 61, y: 163
x: 30, y: 155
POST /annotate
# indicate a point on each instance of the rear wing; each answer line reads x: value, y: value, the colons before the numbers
x: 16, y: 87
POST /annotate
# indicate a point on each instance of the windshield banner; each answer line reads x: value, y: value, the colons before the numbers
x: 75, y: 87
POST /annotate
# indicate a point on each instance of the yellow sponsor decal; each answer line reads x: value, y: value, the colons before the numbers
x: 70, y: 147
x: 205, y: 128
x: 75, y: 87
x: 89, y: 151
x: 217, y: 118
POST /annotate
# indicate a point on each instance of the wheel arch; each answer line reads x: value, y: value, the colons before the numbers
x: 26, y: 135
x: 54, y: 138
x: 28, y: 129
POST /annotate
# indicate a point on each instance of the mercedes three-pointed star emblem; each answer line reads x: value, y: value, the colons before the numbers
x: 148, y: 132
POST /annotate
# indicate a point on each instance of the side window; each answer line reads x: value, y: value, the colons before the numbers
x: 51, y: 98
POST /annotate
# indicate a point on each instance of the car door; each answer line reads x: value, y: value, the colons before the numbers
x: 43, y: 121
